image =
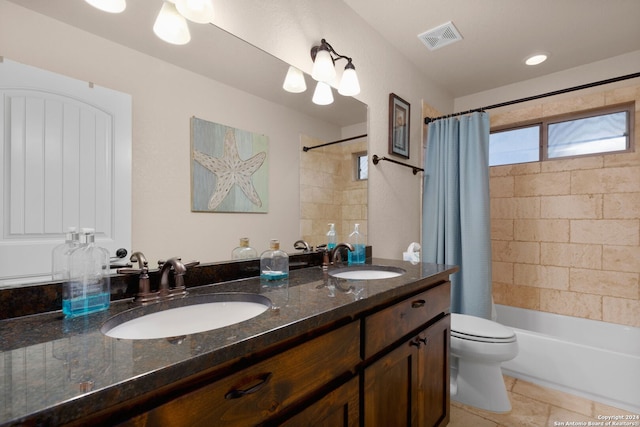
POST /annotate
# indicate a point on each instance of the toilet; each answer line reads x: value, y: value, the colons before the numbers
x: 478, y: 347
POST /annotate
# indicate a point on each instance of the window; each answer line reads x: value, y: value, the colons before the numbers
x: 605, y: 130
x: 361, y: 166
x: 515, y: 146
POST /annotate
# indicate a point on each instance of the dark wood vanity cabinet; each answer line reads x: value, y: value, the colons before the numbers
x: 387, y: 367
x: 265, y: 390
x: 408, y: 385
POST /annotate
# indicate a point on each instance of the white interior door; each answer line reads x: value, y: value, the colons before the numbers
x: 66, y: 162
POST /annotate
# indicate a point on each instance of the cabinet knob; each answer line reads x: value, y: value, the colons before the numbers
x: 418, y: 303
x: 263, y: 379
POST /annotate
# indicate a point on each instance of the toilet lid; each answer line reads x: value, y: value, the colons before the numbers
x: 478, y: 329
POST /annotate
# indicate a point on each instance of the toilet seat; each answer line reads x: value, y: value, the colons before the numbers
x: 473, y: 328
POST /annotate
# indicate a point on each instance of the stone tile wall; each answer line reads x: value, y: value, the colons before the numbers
x: 566, y: 233
x: 329, y: 192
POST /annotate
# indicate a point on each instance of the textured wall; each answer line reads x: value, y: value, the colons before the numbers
x: 566, y: 233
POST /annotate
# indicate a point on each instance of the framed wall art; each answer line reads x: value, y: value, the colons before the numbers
x: 229, y: 169
x: 399, y: 122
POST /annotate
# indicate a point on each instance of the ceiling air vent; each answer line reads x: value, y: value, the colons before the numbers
x: 440, y: 36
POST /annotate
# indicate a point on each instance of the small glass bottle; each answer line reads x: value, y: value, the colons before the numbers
x: 274, y: 263
x: 357, y: 256
x: 331, y: 237
x: 88, y: 288
x: 244, y: 251
x: 60, y: 255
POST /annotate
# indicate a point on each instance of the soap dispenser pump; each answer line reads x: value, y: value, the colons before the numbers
x: 61, y: 253
x: 357, y: 256
x: 88, y: 288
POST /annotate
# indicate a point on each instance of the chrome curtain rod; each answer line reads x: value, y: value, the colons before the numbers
x: 428, y: 120
x: 376, y: 159
x: 334, y: 142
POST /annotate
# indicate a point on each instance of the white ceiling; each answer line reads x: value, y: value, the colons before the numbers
x: 499, y: 34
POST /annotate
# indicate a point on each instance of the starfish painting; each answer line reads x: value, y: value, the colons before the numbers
x: 231, y: 170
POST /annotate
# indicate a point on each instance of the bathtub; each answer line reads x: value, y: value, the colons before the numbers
x: 589, y: 358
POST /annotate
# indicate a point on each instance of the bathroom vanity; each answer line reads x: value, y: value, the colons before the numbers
x: 328, y: 352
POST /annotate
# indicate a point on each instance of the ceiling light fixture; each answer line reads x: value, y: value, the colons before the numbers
x: 171, y: 26
x: 111, y: 6
x: 294, y: 81
x: 536, y: 59
x: 324, y: 71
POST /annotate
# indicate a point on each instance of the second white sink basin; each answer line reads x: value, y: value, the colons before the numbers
x: 189, y: 315
x: 367, y: 272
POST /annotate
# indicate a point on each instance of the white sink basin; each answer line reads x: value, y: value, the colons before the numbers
x: 185, y: 316
x: 367, y: 272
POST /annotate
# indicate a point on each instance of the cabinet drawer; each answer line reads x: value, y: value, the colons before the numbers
x: 255, y: 394
x: 386, y: 326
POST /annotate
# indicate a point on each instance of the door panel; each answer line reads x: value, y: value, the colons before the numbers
x: 66, y: 162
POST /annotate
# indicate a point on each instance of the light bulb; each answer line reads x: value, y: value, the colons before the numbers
x: 170, y: 26
x: 200, y: 11
x: 111, y: 6
x: 322, y: 95
x: 323, y: 69
x: 349, y: 85
x: 294, y: 81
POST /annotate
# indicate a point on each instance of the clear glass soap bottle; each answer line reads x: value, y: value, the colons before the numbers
x: 331, y: 236
x: 88, y: 289
x: 274, y: 263
x: 244, y: 251
x: 357, y: 240
x: 61, y: 253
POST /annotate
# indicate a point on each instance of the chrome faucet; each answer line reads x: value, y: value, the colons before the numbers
x: 165, y: 291
x: 334, y: 255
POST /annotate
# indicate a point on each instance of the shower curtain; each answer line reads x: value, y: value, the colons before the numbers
x: 456, y: 222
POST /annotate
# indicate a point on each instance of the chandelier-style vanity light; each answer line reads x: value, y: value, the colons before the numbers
x: 324, y: 71
x: 170, y: 24
x: 111, y: 6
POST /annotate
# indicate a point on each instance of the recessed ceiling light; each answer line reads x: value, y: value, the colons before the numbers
x: 536, y: 59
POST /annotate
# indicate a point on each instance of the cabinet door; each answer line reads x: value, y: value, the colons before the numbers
x: 340, y: 408
x: 389, y: 388
x: 433, y: 374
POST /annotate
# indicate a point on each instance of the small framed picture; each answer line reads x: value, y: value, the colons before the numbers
x: 399, y: 115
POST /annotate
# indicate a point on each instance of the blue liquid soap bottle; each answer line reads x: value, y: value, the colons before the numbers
x: 331, y: 237
x: 88, y: 289
x: 61, y: 253
x: 357, y: 240
x: 244, y: 251
x: 274, y: 264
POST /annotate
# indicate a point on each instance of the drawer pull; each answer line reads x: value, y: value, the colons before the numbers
x: 418, y: 303
x: 262, y: 381
x: 418, y: 342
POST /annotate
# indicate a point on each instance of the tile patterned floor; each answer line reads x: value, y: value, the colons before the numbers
x: 534, y: 406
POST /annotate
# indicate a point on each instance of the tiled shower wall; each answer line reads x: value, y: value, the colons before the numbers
x: 328, y: 191
x: 566, y: 233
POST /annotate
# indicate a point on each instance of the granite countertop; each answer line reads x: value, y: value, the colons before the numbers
x: 55, y: 370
